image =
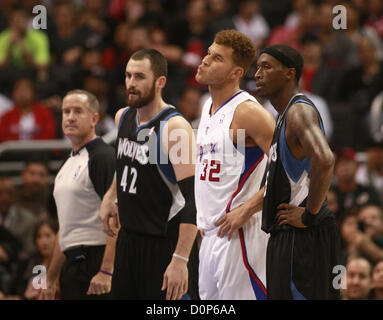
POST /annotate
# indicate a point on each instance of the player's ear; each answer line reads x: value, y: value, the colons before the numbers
x: 237, y: 73
x: 161, y: 82
x: 290, y: 74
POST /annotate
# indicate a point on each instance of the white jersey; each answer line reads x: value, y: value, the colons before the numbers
x: 226, y: 174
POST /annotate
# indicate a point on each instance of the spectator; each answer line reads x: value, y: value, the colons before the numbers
x: 23, y: 48
x: 44, y: 239
x: 5, y: 104
x: 193, y: 34
x: 317, y: 78
x: 189, y: 104
x: 35, y: 193
x: 293, y: 20
x: 9, y: 252
x: 339, y: 52
x: 129, y: 10
x: 96, y: 22
x: 97, y: 83
x: 370, y: 218
x: 358, y: 279
x: 370, y: 174
x: 28, y: 119
x: 287, y: 34
x: 376, y: 118
x: 362, y: 83
x: 20, y: 222
x: 115, y: 56
x: 356, y: 31
x: 67, y: 41
x: 194, y: 26
x: 219, y: 13
x: 350, y: 235
x: 332, y: 202
x: 350, y: 194
x: 250, y: 21
x: 356, y: 242
x: 377, y: 282
x: 375, y: 19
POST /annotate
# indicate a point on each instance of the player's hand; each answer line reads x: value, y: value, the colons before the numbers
x: 232, y: 221
x: 49, y: 292
x: 100, y: 284
x: 109, y: 211
x: 175, y: 279
x: 291, y: 215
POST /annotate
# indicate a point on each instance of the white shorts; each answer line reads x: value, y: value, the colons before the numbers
x: 235, y: 269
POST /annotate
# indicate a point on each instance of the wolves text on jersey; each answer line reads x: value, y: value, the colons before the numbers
x: 133, y: 150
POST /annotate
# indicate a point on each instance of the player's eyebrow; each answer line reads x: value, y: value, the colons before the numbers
x: 137, y: 74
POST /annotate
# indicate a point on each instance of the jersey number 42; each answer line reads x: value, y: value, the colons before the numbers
x: 124, y: 179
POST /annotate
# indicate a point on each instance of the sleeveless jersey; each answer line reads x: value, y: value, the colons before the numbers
x: 147, y: 191
x: 226, y: 174
x: 287, y: 179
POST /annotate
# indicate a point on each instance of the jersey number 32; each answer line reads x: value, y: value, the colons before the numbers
x: 214, y: 167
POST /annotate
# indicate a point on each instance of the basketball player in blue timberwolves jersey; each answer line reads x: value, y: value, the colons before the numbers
x: 304, y: 244
x: 154, y: 189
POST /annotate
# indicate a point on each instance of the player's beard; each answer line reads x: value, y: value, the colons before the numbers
x: 141, y: 101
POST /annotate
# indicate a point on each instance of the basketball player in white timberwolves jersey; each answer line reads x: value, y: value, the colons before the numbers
x: 234, y: 137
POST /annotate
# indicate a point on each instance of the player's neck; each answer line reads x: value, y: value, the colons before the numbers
x: 282, y: 99
x: 148, y: 112
x: 220, y: 95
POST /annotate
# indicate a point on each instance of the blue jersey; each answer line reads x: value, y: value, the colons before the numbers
x: 287, y: 178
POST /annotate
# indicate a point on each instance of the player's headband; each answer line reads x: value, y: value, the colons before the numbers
x: 295, y: 61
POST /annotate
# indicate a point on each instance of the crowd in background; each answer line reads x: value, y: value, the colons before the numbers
x: 87, y: 44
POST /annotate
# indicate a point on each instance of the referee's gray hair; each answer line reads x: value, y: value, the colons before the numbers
x: 93, y: 104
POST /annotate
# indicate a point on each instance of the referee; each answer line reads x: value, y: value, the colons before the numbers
x: 83, y: 253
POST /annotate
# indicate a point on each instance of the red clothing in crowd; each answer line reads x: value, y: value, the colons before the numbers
x: 42, y: 127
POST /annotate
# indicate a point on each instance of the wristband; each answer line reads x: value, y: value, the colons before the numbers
x: 106, y: 272
x: 309, y: 219
x: 180, y: 257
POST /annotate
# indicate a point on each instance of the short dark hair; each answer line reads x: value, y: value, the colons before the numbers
x: 158, y: 63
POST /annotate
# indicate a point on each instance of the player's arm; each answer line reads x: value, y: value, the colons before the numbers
x: 179, y: 143
x: 302, y: 124
x: 259, y: 126
x: 102, y: 171
x: 101, y: 283
x: 54, y: 269
x: 108, y: 208
x: 305, y: 139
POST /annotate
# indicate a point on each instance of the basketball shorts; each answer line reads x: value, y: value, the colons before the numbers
x: 235, y: 269
x: 300, y: 263
x: 140, y: 264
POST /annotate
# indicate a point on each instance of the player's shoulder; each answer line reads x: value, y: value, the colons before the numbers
x: 301, y: 111
x: 250, y: 110
x: 177, y: 122
x: 119, y: 113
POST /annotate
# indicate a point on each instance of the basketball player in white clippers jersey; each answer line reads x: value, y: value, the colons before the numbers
x: 234, y: 137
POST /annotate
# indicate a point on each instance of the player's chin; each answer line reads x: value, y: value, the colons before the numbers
x: 260, y: 92
x: 198, y: 77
